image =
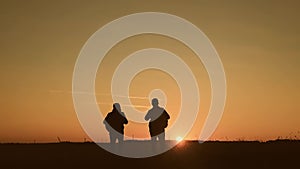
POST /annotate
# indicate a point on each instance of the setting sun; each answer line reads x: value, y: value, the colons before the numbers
x: 179, y: 139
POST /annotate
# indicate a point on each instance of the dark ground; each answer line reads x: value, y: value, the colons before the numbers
x: 221, y: 155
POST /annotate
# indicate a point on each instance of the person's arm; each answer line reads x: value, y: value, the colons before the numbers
x: 167, y: 115
x: 147, y: 117
x: 105, y: 120
x: 125, y: 119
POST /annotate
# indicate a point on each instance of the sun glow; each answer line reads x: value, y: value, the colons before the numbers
x: 179, y: 139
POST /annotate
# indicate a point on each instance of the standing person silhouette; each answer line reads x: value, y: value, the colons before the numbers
x: 114, y: 123
x: 158, y: 121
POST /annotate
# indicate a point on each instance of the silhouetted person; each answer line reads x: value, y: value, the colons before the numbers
x: 114, y: 123
x: 158, y: 121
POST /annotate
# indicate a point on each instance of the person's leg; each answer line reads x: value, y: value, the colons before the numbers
x: 161, y: 137
x: 119, y: 146
x: 152, y: 143
x: 112, y: 138
x: 120, y: 138
x: 153, y: 137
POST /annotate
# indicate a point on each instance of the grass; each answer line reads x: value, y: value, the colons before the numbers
x: 188, y: 154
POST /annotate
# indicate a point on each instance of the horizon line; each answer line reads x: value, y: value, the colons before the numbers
x: 188, y: 140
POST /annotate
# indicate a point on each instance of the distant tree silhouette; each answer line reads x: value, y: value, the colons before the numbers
x: 114, y: 123
x: 158, y: 121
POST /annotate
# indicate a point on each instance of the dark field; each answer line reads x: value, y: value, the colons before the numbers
x: 221, y: 155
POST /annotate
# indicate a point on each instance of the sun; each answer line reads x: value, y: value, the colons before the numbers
x: 179, y: 139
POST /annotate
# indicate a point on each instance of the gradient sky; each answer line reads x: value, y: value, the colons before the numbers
x: 258, y: 43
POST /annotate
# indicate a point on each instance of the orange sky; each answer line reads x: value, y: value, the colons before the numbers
x: 258, y: 43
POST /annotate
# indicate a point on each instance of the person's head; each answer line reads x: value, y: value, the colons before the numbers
x: 117, y: 107
x: 155, y: 102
